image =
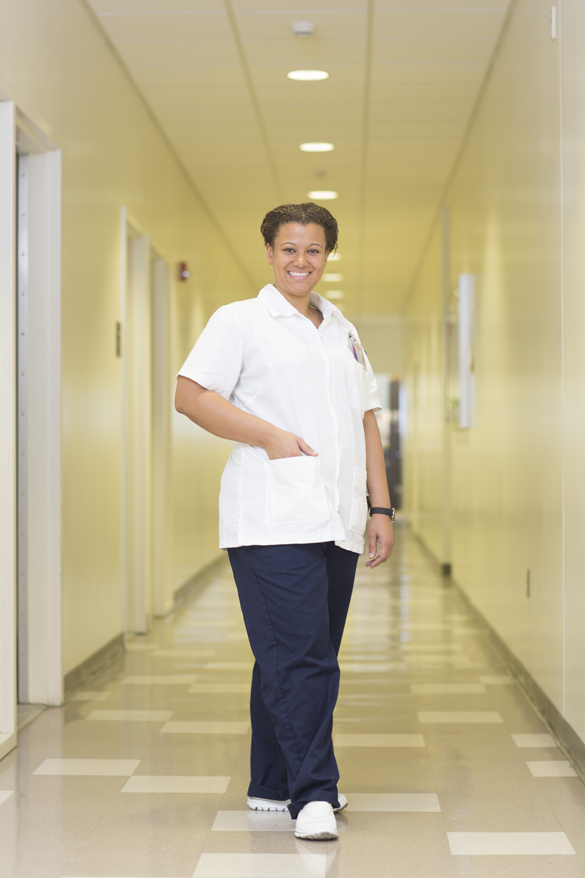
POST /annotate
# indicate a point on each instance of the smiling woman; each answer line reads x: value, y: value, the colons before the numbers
x: 284, y: 376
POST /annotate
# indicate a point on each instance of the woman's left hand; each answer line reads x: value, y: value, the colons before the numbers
x: 380, y: 532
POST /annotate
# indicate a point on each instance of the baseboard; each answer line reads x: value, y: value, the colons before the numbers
x: 564, y: 734
x: 198, y: 581
x: 94, y: 664
x: 7, y: 744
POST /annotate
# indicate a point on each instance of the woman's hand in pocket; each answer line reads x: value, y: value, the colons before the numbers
x: 282, y: 444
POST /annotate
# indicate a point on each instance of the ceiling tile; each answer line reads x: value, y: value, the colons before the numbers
x: 180, y: 26
x: 436, y: 23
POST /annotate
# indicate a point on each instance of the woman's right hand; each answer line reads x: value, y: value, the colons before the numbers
x: 282, y: 444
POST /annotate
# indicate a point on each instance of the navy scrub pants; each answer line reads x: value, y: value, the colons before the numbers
x: 294, y: 599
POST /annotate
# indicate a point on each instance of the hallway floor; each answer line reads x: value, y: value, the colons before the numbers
x: 447, y: 770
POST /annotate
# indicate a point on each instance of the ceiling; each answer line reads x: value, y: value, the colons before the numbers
x: 404, y: 75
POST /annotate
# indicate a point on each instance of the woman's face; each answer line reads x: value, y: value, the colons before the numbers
x: 298, y: 258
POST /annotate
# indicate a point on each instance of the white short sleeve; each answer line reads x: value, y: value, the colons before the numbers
x: 216, y: 360
x: 372, y: 393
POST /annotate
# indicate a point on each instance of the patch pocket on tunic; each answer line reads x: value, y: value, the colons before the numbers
x: 294, y: 491
x: 359, y: 506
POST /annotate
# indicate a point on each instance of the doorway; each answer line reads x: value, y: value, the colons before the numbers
x: 146, y: 416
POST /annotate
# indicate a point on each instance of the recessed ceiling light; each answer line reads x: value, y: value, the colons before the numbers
x: 335, y: 294
x: 316, y: 147
x: 322, y: 194
x: 308, y: 75
x: 332, y: 278
x: 334, y: 257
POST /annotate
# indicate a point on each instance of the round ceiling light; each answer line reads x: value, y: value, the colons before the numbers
x: 334, y: 294
x: 323, y: 194
x: 316, y: 147
x: 332, y: 278
x: 308, y: 75
x: 334, y: 257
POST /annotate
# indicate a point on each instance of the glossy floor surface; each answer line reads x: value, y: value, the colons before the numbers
x: 447, y: 770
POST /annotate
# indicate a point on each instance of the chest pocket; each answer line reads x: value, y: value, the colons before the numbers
x: 294, y: 491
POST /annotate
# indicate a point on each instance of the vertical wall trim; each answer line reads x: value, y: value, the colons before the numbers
x: 7, y: 430
x: 22, y: 403
x: 123, y: 418
x: 558, y: 36
x: 446, y: 451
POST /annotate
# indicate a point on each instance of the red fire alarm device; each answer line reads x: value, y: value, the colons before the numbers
x: 183, y: 272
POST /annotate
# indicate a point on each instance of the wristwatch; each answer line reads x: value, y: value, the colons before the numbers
x: 380, y: 510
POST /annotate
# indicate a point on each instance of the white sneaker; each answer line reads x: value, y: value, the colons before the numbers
x: 257, y: 804
x: 316, y: 821
x: 342, y: 802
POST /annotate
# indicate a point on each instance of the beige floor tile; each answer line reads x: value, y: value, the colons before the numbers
x: 447, y: 688
x: 130, y: 716
x: 461, y: 716
x: 95, y: 767
x: 5, y: 795
x: 418, y: 802
x: 159, y: 680
x: 529, y: 741
x: 175, y: 784
x: 359, y: 740
x: 90, y: 696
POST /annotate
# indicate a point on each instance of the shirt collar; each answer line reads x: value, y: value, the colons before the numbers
x: 278, y: 306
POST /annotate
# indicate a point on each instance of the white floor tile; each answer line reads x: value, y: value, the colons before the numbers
x: 525, y: 741
x: 552, y: 768
x: 160, y: 680
x: 220, y: 688
x: 393, y: 802
x: 261, y: 866
x: 370, y: 667
x: 253, y: 821
x: 497, y: 681
x: 4, y: 795
x: 459, y: 661
x: 90, y: 696
x: 134, y: 716
x: 175, y: 784
x: 509, y: 843
x: 194, y: 727
x: 447, y: 688
x: 459, y: 716
x: 229, y: 666
x: 89, y: 767
x: 340, y: 740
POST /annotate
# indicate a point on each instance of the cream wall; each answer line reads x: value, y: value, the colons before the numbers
x: 517, y: 478
x: 58, y: 68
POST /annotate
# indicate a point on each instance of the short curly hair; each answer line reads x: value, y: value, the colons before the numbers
x: 302, y: 214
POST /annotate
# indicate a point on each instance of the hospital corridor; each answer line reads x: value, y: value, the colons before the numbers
x: 447, y: 768
x: 286, y: 288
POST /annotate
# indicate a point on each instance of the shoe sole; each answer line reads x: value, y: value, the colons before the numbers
x: 264, y: 805
x: 325, y: 835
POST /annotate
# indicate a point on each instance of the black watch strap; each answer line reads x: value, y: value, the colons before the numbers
x: 381, y: 510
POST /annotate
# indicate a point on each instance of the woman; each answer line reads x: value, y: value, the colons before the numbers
x: 285, y: 378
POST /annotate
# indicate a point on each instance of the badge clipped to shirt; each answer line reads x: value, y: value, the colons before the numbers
x: 356, y: 350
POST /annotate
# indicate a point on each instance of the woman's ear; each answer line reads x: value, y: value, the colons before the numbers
x: 269, y: 254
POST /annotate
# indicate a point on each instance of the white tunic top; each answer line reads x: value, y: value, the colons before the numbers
x: 269, y: 360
